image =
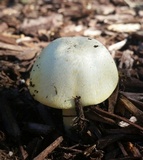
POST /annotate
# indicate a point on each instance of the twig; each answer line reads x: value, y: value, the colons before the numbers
x: 79, y: 108
x: 112, y: 100
x: 80, y: 122
x: 24, y: 154
x: 97, y: 109
x: 71, y: 149
x: 123, y: 149
x: 132, y: 108
x: 49, y: 149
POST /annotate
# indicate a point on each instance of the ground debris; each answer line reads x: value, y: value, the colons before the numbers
x: 26, y: 27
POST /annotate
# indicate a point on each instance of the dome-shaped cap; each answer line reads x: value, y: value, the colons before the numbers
x: 70, y: 67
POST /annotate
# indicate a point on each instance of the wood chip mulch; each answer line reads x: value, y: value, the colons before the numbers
x: 112, y: 130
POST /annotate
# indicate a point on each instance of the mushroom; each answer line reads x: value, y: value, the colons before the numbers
x: 69, y: 67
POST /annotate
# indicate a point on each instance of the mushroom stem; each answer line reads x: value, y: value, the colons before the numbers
x: 68, y: 116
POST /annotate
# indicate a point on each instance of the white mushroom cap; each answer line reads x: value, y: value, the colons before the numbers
x: 70, y: 67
